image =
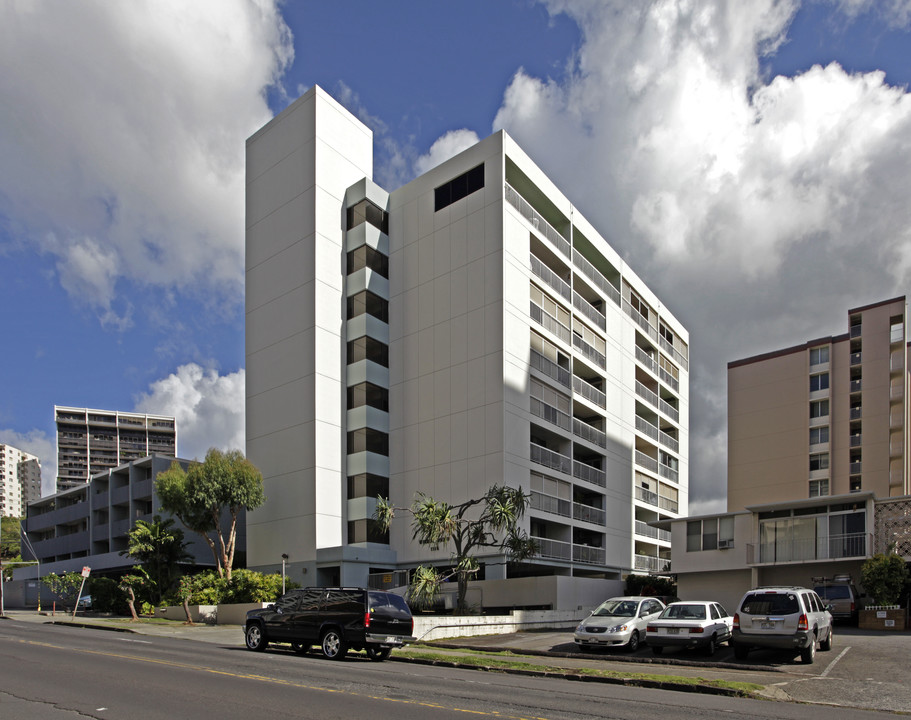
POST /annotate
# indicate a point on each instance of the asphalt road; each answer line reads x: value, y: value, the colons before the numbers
x: 51, y: 672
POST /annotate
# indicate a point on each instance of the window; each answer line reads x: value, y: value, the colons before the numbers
x: 726, y: 528
x: 367, y: 485
x: 855, y: 485
x: 819, y: 408
x: 819, y: 382
x: 638, y: 305
x: 366, y: 256
x: 458, y: 188
x: 820, y: 435
x: 819, y: 488
x: 369, y: 440
x: 366, y: 211
x: 550, y: 306
x: 819, y: 461
x: 366, y: 348
x: 366, y: 393
x: 366, y: 302
x: 694, y: 535
x: 819, y: 356
x: 705, y: 534
x: 366, y: 531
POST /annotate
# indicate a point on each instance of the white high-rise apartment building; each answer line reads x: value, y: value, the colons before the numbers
x: 20, y: 480
x: 468, y: 329
x: 89, y: 441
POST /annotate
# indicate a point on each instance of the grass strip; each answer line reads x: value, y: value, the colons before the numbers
x: 505, y: 660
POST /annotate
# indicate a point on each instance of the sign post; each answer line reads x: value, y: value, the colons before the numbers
x: 86, y: 571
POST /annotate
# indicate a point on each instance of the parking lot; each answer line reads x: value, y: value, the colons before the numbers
x: 864, y: 669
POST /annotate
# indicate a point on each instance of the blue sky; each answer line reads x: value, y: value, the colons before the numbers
x: 749, y: 160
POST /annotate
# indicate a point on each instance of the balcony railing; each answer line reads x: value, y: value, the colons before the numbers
x: 652, y: 564
x: 854, y: 468
x: 555, y: 549
x: 598, y: 358
x: 667, y: 472
x: 652, y: 398
x: 584, y: 471
x: 668, y: 504
x: 896, y: 392
x: 646, y: 428
x: 589, y: 392
x: 537, y: 221
x: 587, y: 432
x: 587, y: 513
x: 646, y: 530
x: 550, y: 368
x: 551, y: 278
x: 855, y: 413
x: 647, y: 496
x: 851, y: 545
x: 550, y: 413
x: 856, y: 331
x: 592, y: 273
x: 550, y: 459
x: 590, y: 311
x: 856, y: 385
x: 856, y: 358
x: 549, y: 322
x: 550, y: 504
x: 644, y: 461
x: 640, y: 320
x: 856, y: 440
x: 590, y: 555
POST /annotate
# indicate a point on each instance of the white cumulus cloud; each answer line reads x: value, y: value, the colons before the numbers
x: 759, y: 209
x: 208, y: 408
x: 122, y: 129
x: 445, y: 147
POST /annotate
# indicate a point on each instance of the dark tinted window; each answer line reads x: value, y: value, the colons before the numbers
x: 366, y: 302
x: 368, y: 439
x: 386, y: 601
x: 289, y: 602
x: 458, y: 188
x: 311, y: 598
x: 368, y: 394
x: 367, y: 530
x: 366, y: 256
x: 366, y: 211
x: 834, y: 592
x: 367, y: 348
x: 344, y: 601
x: 760, y: 603
x: 367, y: 485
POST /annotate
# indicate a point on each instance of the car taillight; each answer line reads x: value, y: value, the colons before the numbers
x: 651, y: 628
x: 367, y: 619
x: 736, y: 620
x: 411, y: 629
x: 852, y: 607
x: 803, y: 623
x: 696, y: 630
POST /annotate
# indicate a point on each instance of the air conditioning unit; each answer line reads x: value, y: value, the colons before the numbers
x: 725, y: 544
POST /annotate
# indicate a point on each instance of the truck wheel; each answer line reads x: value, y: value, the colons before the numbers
x: 334, y: 645
x: 255, y: 638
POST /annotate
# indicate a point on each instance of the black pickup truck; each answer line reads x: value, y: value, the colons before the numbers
x: 338, y: 619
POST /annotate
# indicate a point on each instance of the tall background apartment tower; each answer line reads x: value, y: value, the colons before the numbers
x: 20, y: 480
x: 470, y: 328
x: 89, y: 441
x: 829, y: 417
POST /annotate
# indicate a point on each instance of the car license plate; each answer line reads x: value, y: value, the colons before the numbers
x: 767, y: 626
x: 391, y: 639
x: 673, y: 631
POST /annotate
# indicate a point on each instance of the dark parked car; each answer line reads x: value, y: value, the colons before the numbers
x: 338, y: 619
x: 843, y: 597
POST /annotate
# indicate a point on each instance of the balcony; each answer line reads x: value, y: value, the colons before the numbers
x: 548, y: 367
x: 896, y: 393
x: 666, y: 503
x: 551, y: 278
x: 550, y: 459
x: 587, y: 513
x: 600, y: 282
x: 856, y: 386
x: 537, y: 221
x: 856, y: 358
x: 647, y: 496
x: 589, y: 311
x: 554, y: 549
x: 589, y: 392
x: 652, y: 399
x: 856, y: 331
x: 856, y: 413
x: 550, y: 414
x: 588, y: 473
x: 640, y: 320
x: 652, y: 564
x: 587, y: 554
x: 550, y: 323
x: 589, y: 352
x: 646, y: 462
x: 854, y: 468
x: 646, y: 530
x: 855, y: 440
x: 587, y: 432
x: 835, y: 547
x: 550, y: 504
x: 649, y: 362
x: 668, y: 472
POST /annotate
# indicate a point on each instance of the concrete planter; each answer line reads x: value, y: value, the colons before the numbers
x: 883, y: 618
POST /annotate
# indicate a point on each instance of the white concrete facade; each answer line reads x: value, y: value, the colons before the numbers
x: 504, y: 341
x: 20, y: 480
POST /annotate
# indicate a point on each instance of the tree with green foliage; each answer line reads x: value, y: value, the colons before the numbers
x: 129, y: 584
x: 490, y: 521
x: 159, y: 547
x: 66, y: 587
x: 651, y: 585
x: 884, y: 577
x: 224, y: 482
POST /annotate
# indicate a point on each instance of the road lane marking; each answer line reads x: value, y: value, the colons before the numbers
x: 832, y: 664
x: 277, y: 681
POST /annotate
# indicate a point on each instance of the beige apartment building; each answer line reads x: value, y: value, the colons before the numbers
x: 828, y: 417
x: 20, y: 480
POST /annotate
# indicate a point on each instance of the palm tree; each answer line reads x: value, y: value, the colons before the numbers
x: 158, y: 547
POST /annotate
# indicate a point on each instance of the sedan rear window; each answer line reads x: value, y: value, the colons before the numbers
x: 760, y: 603
x: 834, y: 592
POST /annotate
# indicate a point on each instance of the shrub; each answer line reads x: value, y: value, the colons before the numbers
x: 245, y: 586
x: 652, y: 586
x: 884, y: 578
